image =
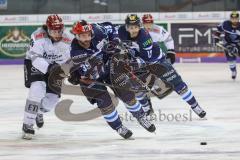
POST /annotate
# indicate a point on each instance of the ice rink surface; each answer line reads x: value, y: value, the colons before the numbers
x: 174, y: 140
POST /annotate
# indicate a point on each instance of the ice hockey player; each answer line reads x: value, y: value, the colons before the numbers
x: 155, y: 61
x: 165, y: 40
x: 50, y: 46
x: 87, y: 54
x: 231, y: 41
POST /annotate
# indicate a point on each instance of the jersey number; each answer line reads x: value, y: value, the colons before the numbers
x: 149, y: 53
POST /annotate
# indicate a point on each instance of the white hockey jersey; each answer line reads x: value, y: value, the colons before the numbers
x: 42, y: 51
x: 159, y: 34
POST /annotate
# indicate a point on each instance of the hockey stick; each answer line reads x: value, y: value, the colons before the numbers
x: 221, y: 46
x: 143, y: 87
x: 93, y: 82
x: 123, y: 47
x: 148, y: 89
x: 226, y: 49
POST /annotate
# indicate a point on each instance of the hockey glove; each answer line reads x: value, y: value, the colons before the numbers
x: 74, y: 78
x: 171, y: 56
x: 56, y: 75
x: 232, y: 50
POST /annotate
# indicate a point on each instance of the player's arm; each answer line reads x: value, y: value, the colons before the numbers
x: 77, y: 70
x: 35, y: 54
x: 217, y: 33
x: 169, y: 43
x: 111, y: 31
x: 79, y: 59
x: 151, y: 51
x: 167, y: 39
x: 67, y: 39
x: 88, y: 65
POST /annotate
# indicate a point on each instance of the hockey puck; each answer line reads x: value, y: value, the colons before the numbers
x: 203, y: 143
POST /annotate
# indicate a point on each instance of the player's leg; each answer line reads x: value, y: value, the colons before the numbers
x: 99, y: 94
x: 34, y: 80
x: 135, y: 108
x: 36, y: 92
x: 232, y: 60
x: 53, y: 92
x: 187, y: 95
x: 158, y: 87
x: 145, y: 101
x: 172, y: 77
x: 48, y: 103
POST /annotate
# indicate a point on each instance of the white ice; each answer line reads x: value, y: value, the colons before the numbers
x: 210, y: 83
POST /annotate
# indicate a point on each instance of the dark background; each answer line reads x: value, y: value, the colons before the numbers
x: 116, y: 6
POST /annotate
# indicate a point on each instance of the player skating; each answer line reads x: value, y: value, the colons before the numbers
x: 163, y: 37
x: 50, y: 46
x: 230, y: 29
x: 93, y: 66
x: 155, y: 61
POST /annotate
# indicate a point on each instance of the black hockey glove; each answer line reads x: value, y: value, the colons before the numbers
x: 51, y: 66
x: 55, y: 77
x: 232, y: 50
x: 74, y: 78
x: 111, y: 47
x: 216, y: 40
x: 171, y: 56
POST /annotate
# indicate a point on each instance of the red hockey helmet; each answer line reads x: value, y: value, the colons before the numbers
x: 147, y: 18
x: 54, y: 22
x: 81, y: 27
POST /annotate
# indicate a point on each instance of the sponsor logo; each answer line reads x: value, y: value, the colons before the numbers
x: 147, y: 42
x: 15, y: 43
x: 194, y: 37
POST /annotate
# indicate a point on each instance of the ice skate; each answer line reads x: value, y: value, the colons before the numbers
x: 28, y: 131
x: 199, y: 111
x: 146, y: 123
x: 39, y: 120
x: 124, y: 132
x: 234, y: 75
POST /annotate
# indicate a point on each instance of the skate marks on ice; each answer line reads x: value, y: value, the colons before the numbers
x: 172, y: 141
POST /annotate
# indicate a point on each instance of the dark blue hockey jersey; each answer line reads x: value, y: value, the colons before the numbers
x: 231, y: 35
x: 144, y: 46
x: 103, y: 33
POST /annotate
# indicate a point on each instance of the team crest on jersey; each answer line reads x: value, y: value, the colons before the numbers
x: 14, y: 43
